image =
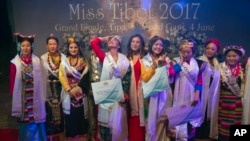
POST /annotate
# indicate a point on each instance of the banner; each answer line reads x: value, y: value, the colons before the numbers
x: 173, y: 20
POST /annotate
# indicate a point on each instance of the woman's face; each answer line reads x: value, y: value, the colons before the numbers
x: 211, y: 50
x: 113, y: 44
x: 73, y: 49
x: 232, y: 58
x: 135, y: 44
x: 52, y: 46
x: 26, y: 48
x: 186, y: 53
x: 157, y: 47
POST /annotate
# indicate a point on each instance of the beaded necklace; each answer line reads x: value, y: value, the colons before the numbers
x: 234, y: 70
x: 73, y: 65
x: 26, y: 60
x: 54, y: 61
x: 27, y: 63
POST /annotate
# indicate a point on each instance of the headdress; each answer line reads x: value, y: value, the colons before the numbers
x: 117, y: 37
x: 20, y: 38
x: 186, y: 43
x: 71, y: 40
x: 52, y: 36
x: 234, y: 47
x: 215, y: 41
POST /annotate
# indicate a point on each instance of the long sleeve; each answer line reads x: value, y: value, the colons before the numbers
x: 12, y: 77
x: 96, y: 47
x: 63, y: 79
x: 198, y: 85
x: 146, y: 74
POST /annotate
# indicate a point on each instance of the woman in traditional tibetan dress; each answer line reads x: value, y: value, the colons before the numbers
x: 115, y: 65
x: 156, y: 104
x: 50, y: 64
x: 132, y: 85
x: 28, y: 102
x: 232, y: 89
x: 74, y: 101
x: 187, y: 85
x: 210, y: 91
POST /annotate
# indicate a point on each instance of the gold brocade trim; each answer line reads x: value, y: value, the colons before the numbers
x: 54, y: 61
x: 54, y: 102
x: 56, y: 110
x: 27, y: 69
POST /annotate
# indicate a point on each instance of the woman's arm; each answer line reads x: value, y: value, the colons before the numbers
x: 147, y: 74
x: 198, y: 89
x: 63, y: 79
x: 96, y: 47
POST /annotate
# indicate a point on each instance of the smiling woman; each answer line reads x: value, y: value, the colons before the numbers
x: 232, y: 91
x: 71, y: 71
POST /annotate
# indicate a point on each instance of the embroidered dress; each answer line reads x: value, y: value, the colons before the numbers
x: 95, y: 69
x: 75, y: 109
x: 184, y: 90
x: 132, y: 86
x: 109, y: 128
x: 209, y: 98
x: 53, y: 88
x: 28, y: 101
x: 155, y: 105
x: 230, y: 100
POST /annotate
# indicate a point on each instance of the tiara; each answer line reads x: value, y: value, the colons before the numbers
x: 71, y: 40
x: 234, y: 47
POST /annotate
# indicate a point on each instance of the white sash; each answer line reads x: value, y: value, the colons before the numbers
x: 136, y: 97
x: 185, y: 82
x: 246, y: 97
x: 210, y: 94
x: 226, y: 76
x: 113, y: 114
x: 65, y: 96
x: 184, y: 91
x: 157, y: 108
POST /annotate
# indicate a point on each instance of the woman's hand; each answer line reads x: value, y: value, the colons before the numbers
x: 196, y: 98
x: 76, y: 92
x: 106, y: 38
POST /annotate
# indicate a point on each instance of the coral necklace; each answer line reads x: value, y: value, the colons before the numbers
x: 235, y: 71
x: 54, y: 63
x: 26, y: 60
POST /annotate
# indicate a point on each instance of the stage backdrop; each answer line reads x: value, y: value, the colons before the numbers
x: 171, y: 19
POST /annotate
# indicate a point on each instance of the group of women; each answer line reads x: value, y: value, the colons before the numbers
x: 53, y: 99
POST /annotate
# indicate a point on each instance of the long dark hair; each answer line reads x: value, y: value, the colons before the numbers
x: 142, y: 47
x: 54, y: 38
x: 152, y: 41
x: 79, y: 47
x: 28, y: 40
